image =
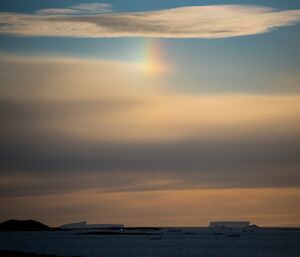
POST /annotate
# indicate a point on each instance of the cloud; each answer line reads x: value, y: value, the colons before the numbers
x: 32, y: 164
x: 87, y: 99
x: 216, y: 21
x: 93, y: 122
x: 77, y: 135
x: 92, y: 8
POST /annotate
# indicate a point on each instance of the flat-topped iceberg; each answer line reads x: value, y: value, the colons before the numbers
x: 84, y: 225
x: 229, y: 224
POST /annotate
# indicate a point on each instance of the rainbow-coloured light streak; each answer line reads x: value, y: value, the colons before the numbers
x: 154, y: 61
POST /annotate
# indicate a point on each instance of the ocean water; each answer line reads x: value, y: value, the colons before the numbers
x: 188, y: 242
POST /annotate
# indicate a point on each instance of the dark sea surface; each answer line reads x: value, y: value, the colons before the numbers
x: 188, y: 242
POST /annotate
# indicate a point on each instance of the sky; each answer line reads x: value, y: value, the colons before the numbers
x: 150, y: 113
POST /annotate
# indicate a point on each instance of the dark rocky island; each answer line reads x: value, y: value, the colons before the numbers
x: 23, y: 225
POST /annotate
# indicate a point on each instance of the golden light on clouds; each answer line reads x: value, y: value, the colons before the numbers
x: 130, y: 106
x: 118, y: 140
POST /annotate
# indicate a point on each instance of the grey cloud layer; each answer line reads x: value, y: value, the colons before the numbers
x: 33, y: 154
x: 217, y: 21
x: 231, y: 164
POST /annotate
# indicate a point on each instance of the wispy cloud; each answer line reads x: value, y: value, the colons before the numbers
x: 216, y: 21
x: 92, y: 8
